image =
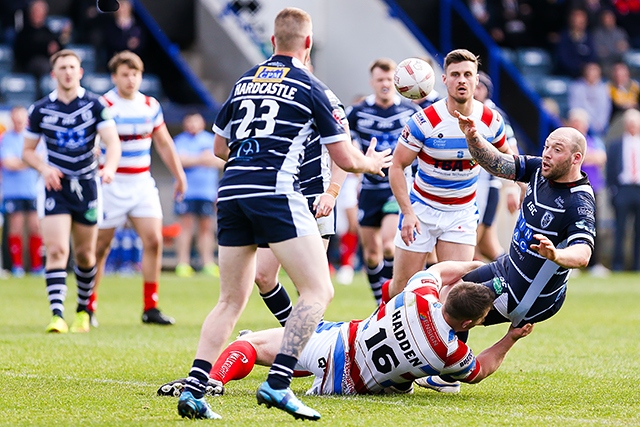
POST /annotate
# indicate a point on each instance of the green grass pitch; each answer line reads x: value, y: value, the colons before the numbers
x: 581, y: 368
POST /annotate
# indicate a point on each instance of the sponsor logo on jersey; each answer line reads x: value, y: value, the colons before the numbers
x: 247, y: 149
x: 49, y: 119
x: 421, y: 118
x: 68, y: 121
x: 266, y: 74
x: 406, y: 133
x: 584, y: 225
x: 559, y: 202
x: 546, y: 219
x: 585, y: 211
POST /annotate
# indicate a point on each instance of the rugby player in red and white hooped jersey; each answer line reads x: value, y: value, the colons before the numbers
x: 134, y: 194
x: 409, y: 337
x: 440, y: 212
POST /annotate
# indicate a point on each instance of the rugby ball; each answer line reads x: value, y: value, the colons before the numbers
x: 414, y: 78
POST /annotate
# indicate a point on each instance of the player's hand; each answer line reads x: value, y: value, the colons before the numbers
x: 381, y: 159
x: 51, y: 178
x: 106, y: 175
x: 323, y: 205
x: 517, y: 333
x: 513, y: 202
x: 467, y: 124
x: 410, y: 228
x: 180, y: 187
x: 545, y: 248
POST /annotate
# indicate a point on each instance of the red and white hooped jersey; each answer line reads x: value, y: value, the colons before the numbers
x: 447, y: 173
x: 405, y: 339
x: 136, y: 120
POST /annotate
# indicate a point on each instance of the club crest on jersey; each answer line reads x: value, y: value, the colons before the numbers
x: 546, y: 219
x: 247, y: 149
x: 266, y: 74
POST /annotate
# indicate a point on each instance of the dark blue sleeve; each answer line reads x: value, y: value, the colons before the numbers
x: 526, y: 167
x: 35, y: 119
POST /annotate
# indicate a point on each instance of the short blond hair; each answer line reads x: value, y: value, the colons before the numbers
x: 291, y: 27
x: 127, y: 58
x: 61, y: 54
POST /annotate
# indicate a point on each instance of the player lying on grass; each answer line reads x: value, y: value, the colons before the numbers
x: 411, y: 336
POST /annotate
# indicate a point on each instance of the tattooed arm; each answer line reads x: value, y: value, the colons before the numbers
x: 495, y: 162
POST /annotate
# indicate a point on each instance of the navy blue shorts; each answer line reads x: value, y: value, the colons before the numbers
x: 263, y: 220
x: 80, y: 202
x: 495, y: 276
x: 373, y: 205
x: 491, y: 206
x: 197, y: 207
x: 10, y: 206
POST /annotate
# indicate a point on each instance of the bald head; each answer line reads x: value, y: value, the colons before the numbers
x: 291, y: 28
x: 572, y: 137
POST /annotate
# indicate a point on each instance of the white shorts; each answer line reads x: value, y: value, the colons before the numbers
x: 135, y: 197
x: 448, y: 226
x: 318, y: 358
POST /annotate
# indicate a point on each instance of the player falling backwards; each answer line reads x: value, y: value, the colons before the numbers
x: 409, y: 337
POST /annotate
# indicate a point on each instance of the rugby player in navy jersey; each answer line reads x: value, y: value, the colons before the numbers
x: 69, y: 119
x: 554, y: 233
x: 381, y: 115
x: 261, y: 131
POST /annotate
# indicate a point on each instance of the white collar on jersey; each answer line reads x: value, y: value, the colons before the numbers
x: 53, y: 96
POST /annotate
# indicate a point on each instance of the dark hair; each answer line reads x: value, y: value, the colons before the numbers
x: 385, y: 64
x: 468, y: 301
x: 460, y: 55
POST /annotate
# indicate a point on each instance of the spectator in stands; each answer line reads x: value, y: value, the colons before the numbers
x: 595, y: 160
x: 88, y: 23
x: 202, y: 168
x: 609, y: 40
x: 575, y: 48
x: 629, y: 18
x: 549, y: 19
x: 19, y: 191
x: 593, y: 8
x: 35, y: 43
x: 123, y: 32
x: 624, y: 91
x: 515, y: 20
x: 591, y: 93
x: 489, y: 15
x: 623, y: 181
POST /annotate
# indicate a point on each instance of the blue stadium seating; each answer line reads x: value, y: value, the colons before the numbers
x: 18, y: 89
x: 534, y: 61
x: 632, y: 59
x: 87, y: 54
x: 151, y: 86
x: 556, y: 88
x: 6, y: 58
x: 47, y: 84
x: 98, y: 83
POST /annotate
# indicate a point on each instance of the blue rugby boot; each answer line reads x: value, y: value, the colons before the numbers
x: 285, y: 400
x: 190, y: 407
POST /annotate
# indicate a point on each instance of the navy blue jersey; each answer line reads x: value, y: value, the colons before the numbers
x: 565, y: 214
x: 367, y: 119
x: 69, y: 131
x: 315, y: 171
x: 272, y: 112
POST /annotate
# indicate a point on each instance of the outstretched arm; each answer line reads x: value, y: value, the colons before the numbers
x: 451, y: 272
x: 491, y: 358
x: 496, y: 163
x: 574, y: 256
